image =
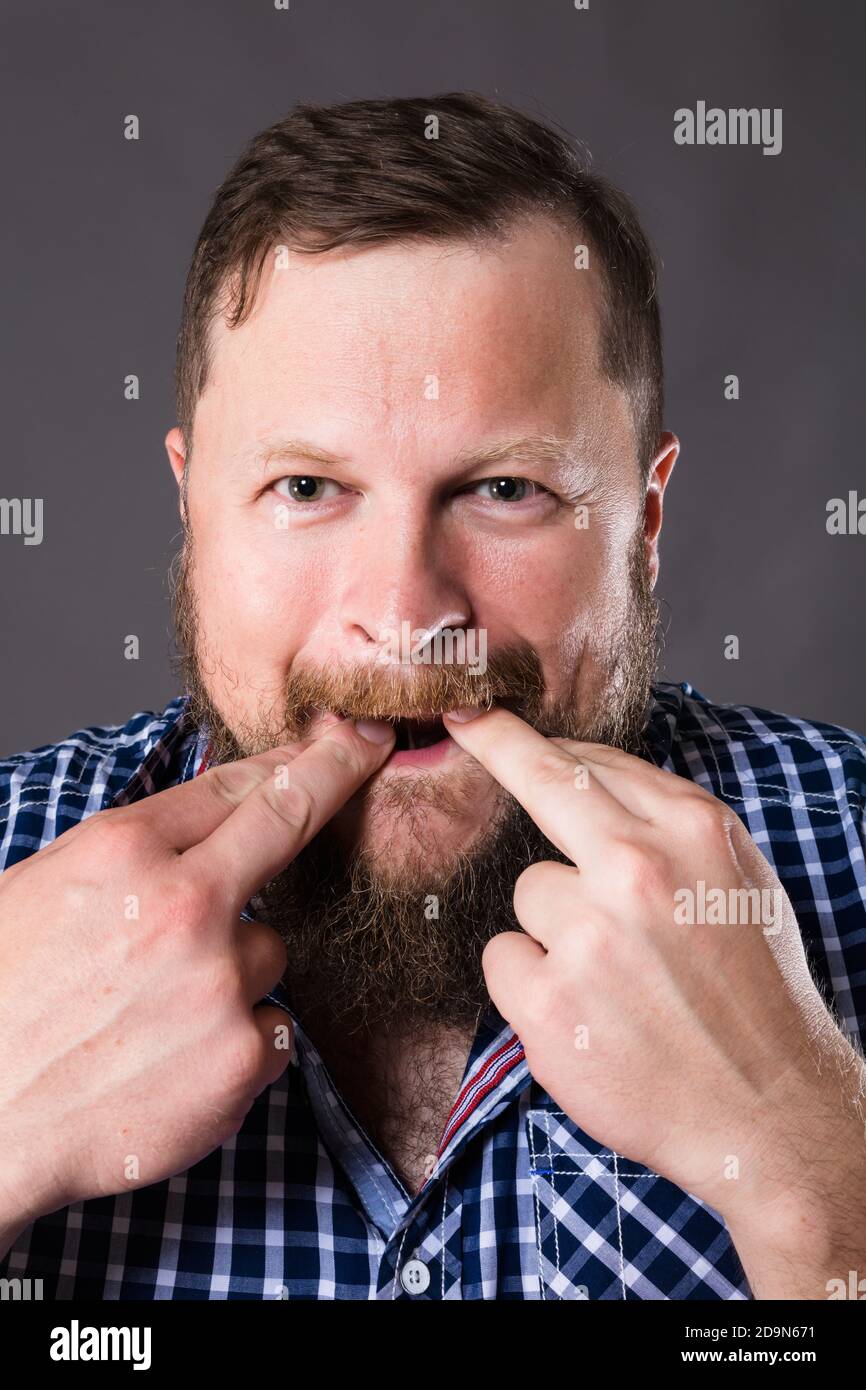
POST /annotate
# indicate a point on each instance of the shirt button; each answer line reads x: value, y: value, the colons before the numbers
x: 415, y: 1276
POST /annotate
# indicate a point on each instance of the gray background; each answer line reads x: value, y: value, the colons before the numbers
x: 762, y: 276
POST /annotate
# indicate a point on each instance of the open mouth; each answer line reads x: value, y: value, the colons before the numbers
x: 417, y: 733
x: 413, y: 734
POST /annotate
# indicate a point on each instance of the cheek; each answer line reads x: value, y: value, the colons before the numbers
x: 255, y: 602
x: 562, y: 586
x: 573, y: 610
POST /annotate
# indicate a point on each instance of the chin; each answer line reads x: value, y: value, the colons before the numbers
x: 415, y: 820
x: 426, y: 845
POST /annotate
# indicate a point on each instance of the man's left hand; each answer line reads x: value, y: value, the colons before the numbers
x: 701, y: 1049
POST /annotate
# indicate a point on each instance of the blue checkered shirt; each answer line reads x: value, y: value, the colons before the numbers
x: 521, y: 1203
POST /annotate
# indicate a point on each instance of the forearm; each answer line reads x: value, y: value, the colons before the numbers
x: 805, y: 1231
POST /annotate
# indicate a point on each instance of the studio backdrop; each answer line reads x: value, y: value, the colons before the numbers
x: 758, y: 225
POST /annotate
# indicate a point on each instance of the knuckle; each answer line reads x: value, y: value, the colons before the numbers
x: 639, y: 870
x: 597, y: 944
x: 570, y: 746
x: 115, y: 834
x: 268, y: 949
x: 552, y: 767
x: 528, y: 884
x: 232, y: 782
x: 551, y: 1001
x: 536, y: 1003
x: 222, y: 781
x: 347, y: 755
x: 186, y: 901
x: 708, y: 817
x: 291, y: 805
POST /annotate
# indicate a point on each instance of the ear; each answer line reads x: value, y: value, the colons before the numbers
x: 175, y: 447
x: 660, y: 472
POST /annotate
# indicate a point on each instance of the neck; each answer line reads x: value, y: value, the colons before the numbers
x: 400, y: 1077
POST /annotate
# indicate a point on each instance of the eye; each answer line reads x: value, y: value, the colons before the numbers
x: 302, y: 487
x: 509, y: 489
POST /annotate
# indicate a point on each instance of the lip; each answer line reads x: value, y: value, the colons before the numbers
x: 430, y: 756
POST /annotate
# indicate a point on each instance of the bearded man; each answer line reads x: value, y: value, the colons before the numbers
x: 361, y: 970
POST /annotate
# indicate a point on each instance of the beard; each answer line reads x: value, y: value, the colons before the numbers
x: 378, y: 945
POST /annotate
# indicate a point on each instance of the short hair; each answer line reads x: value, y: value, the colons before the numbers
x: 365, y: 173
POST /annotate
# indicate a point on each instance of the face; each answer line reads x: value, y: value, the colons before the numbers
x: 400, y: 443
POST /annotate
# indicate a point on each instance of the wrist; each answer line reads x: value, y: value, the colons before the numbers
x: 799, y: 1221
x: 802, y: 1248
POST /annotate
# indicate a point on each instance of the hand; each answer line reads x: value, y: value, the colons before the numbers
x: 130, y: 1039
x: 704, y: 1052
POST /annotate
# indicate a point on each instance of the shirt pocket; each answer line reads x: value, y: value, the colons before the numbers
x: 609, y: 1228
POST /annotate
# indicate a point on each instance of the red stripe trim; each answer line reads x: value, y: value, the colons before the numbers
x: 204, y: 761
x: 489, y: 1085
x: 473, y: 1080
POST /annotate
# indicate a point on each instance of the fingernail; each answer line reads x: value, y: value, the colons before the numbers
x: 462, y: 716
x: 375, y: 730
x: 323, y: 720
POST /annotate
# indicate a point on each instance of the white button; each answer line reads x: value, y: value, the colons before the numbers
x: 415, y: 1277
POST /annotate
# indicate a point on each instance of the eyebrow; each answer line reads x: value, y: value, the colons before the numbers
x: 540, y: 449
x: 534, y: 448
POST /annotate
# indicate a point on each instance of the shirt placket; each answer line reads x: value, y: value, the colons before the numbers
x: 421, y: 1255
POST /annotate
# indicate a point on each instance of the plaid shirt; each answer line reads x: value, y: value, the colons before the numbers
x: 521, y: 1203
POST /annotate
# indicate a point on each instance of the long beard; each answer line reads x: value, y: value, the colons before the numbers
x: 373, y: 945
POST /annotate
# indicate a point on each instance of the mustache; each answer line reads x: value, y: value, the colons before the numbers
x: 513, y: 677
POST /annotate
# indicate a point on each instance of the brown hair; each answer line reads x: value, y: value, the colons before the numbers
x: 364, y: 172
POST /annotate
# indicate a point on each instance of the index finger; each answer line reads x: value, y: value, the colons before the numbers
x: 287, y: 808
x: 576, y: 815
x: 186, y: 814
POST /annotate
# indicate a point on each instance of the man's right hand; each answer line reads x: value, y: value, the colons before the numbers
x: 131, y: 1041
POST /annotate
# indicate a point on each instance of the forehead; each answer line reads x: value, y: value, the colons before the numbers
x: 399, y: 342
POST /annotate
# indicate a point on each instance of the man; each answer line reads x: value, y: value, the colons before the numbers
x: 568, y: 964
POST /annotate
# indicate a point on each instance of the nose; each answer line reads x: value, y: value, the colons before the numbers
x: 402, y: 580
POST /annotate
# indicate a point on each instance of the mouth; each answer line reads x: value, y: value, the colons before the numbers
x: 418, y: 733
x: 419, y: 741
